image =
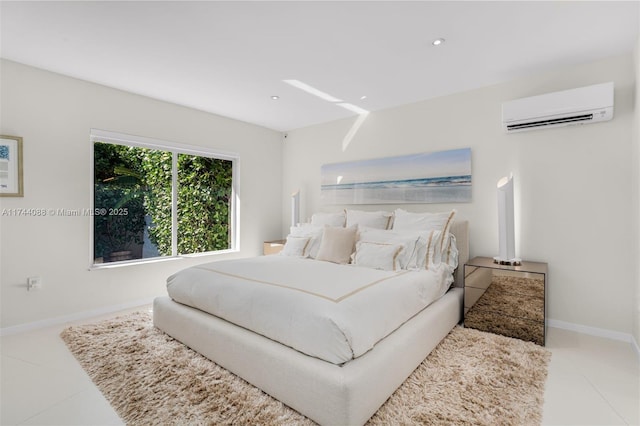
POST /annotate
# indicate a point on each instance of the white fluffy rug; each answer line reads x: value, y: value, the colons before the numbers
x: 471, y: 378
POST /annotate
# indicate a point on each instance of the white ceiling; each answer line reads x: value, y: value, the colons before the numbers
x: 228, y: 58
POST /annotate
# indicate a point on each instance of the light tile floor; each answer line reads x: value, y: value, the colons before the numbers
x: 592, y: 381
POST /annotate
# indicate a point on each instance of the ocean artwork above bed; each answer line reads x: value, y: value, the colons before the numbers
x: 432, y: 177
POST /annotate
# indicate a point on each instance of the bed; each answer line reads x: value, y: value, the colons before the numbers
x: 321, y: 378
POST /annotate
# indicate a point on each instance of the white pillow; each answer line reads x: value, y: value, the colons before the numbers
x: 295, y: 246
x: 438, y: 248
x: 337, y: 244
x: 378, y: 220
x: 377, y: 256
x: 328, y: 219
x: 311, y: 231
x: 406, y: 239
x: 423, y: 222
x: 450, y: 255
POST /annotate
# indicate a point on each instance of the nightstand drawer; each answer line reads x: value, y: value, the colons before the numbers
x: 531, y: 331
x: 525, y: 306
x: 524, y: 284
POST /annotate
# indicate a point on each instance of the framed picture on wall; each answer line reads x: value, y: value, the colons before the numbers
x: 430, y: 177
x: 11, y: 166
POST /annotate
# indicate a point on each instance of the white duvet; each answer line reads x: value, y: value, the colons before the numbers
x: 329, y: 311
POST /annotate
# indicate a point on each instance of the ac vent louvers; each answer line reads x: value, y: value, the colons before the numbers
x: 584, y: 105
x: 542, y: 123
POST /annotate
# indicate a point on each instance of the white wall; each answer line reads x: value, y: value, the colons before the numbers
x: 636, y: 193
x: 54, y: 114
x: 573, y: 184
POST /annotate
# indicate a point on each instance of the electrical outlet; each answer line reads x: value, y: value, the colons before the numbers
x: 34, y: 283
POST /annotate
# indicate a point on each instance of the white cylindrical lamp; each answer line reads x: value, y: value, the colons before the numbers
x: 506, y: 225
x: 295, y: 208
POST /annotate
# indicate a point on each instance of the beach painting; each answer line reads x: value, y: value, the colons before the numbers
x: 433, y: 177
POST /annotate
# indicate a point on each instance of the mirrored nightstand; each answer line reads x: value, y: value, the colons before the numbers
x: 507, y: 300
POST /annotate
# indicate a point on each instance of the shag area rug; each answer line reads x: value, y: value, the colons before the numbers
x: 471, y: 377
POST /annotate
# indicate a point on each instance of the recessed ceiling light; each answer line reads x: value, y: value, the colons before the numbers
x: 363, y: 97
x: 437, y: 42
x: 275, y: 97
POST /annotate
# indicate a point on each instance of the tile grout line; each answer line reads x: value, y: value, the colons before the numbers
x: 22, y: 360
x: 624, y: 420
x: 54, y: 405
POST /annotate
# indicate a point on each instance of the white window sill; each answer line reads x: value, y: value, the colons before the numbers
x: 122, y: 264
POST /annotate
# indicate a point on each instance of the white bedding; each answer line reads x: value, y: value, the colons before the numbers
x: 329, y: 311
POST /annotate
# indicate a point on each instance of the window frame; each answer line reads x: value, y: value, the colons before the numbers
x: 97, y: 135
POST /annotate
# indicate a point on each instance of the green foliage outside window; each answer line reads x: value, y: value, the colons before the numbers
x: 140, y: 180
x: 116, y: 190
x: 204, y: 198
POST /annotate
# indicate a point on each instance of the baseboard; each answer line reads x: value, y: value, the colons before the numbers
x: 595, y: 331
x: 22, y: 328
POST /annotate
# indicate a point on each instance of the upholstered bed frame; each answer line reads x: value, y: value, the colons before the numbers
x: 326, y: 393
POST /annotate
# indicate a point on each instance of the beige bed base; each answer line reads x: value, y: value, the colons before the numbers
x: 326, y: 393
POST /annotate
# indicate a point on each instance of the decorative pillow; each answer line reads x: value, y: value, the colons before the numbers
x: 377, y: 255
x: 423, y: 222
x: 406, y: 239
x: 295, y: 246
x: 450, y: 254
x: 438, y: 249
x: 311, y: 231
x: 337, y: 244
x: 426, y: 247
x: 330, y: 219
x: 378, y: 220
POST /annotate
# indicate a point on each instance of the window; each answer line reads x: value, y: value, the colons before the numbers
x: 154, y: 200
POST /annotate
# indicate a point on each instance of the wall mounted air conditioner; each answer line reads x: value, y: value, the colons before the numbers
x: 589, y: 104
